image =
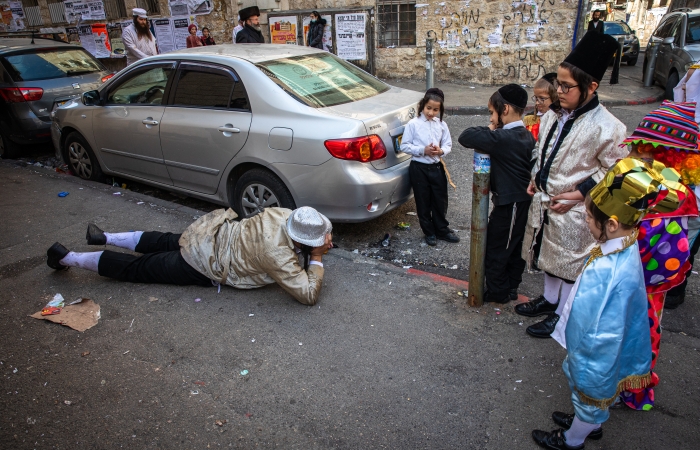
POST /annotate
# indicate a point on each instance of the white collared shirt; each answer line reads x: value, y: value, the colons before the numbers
x: 517, y: 123
x: 421, y: 132
x: 236, y: 29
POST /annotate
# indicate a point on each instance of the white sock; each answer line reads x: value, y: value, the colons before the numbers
x: 128, y: 240
x: 565, y: 291
x: 578, y: 432
x: 87, y: 261
x: 551, y: 288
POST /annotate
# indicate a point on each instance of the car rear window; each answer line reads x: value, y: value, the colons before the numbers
x: 49, y: 64
x: 321, y: 80
x: 693, y: 32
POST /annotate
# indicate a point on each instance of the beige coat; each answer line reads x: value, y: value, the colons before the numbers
x: 250, y: 253
x: 590, y: 148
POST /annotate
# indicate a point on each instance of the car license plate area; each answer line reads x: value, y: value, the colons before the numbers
x: 397, y: 143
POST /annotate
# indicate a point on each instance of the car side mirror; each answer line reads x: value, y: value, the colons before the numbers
x: 91, y: 98
x: 668, y: 40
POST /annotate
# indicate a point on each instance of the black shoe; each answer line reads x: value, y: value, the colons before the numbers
x: 55, y: 254
x: 488, y: 298
x: 95, y: 236
x: 554, y: 440
x: 513, y: 294
x: 673, y: 301
x: 545, y: 328
x: 449, y: 237
x: 537, y: 307
x: 431, y: 240
x: 565, y: 420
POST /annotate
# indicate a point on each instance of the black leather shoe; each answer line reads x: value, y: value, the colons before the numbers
x: 449, y: 237
x: 545, y: 328
x: 95, y: 236
x: 513, y: 294
x: 431, y: 240
x: 554, y: 440
x: 537, y: 307
x: 55, y: 254
x: 565, y: 420
x: 673, y: 301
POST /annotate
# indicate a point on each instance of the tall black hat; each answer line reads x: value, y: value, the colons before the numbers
x: 593, y: 54
x: 247, y: 13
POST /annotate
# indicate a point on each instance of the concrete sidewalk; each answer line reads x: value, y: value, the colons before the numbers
x: 469, y: 99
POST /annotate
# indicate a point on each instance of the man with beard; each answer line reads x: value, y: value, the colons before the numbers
x: 250, y: 34
x: 138, y: 39
x: 595, y: 24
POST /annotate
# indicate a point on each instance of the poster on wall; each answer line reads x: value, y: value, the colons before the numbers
x: 180, y: 33
x: 283, y: 30
x: 114, y: 32
x: 102, y: 46
x: 86, y: 39
x: 327, y: 32
x: 12, y: 16
x: 73, y: 35
x: 17, y: 15
x: 164, y: 35
x: 97, y: 10
x: 350, y: 36
x: 189, y: 7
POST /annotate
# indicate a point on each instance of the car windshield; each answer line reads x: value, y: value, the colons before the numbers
x: 321, y: 80
x: 49, y: 64
x: 693, y: 33
x: 617, y: 28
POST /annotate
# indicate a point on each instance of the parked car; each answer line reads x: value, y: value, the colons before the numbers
x: 678, y: 41
x: 247, y: 126
x: 630, y: 47
x: 35, y: 75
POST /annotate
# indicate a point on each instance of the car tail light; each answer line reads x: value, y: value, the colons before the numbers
x: 107, y: 77
x: 24, y: 94
x: 363, y: 149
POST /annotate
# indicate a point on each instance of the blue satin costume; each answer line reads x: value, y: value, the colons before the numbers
x: 607, y: 334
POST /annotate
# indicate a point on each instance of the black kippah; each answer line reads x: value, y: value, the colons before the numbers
x: 436, y: 91
x: 514, y: 94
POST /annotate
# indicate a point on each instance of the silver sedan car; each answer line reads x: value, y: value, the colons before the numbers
x: 247, y: 126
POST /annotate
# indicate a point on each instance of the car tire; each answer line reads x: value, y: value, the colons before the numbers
x: 671, y: 82
x: 8, y: 149
x: 632, y: 62
x: 258, y: 189
x: 80, y: 158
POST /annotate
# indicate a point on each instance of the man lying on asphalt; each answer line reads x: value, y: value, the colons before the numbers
x: 264, y: 249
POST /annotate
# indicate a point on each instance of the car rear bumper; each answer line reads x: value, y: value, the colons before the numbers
x: 348, y: 191
x: 22, y: 127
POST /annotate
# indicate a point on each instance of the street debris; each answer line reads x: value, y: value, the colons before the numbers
x: 67, y: 402
x: 411, y: 213
x: 518, y: 381
x: 405, y: 226
x: 197, y: 300
x: 407, y: 267
x: 80, y: 315
x: 244, y: 372
x: 194, y: 392
x: 84, y: 354
x: 200, y: 383
x: 300, y: 343
x: 63, y: 194
x: 386, y: 241
x: 220, y: 422
x: 139, y: 203
x: 356, y: 251
x: 460, y: 293
x: 117, y: 193
x: 152, y: 299
x: 251, y: 315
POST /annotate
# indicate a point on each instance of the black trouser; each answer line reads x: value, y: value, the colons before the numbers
x: 504, y: 263
x: 429, y: 184
x: 679, y: 291
x: 161, y: 262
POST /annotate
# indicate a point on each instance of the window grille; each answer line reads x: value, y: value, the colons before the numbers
x: 115, y: 9
x: 151, y: 6
x: 57, y: 10
x: 396, y: 23
x: 32, y: 13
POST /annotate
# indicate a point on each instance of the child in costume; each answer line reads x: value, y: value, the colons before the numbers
x: 545, y: 95
x: 669, y: 135
x: 603, y: 324
x: 510, y: 146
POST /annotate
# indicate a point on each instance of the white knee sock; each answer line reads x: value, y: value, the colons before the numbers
x: 565, y: 291
x: 551, y: 288
x: 87, y: 261
x: 578, y: 432
x: 128, y: 240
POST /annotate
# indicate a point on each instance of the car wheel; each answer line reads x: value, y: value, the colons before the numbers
x: 670, y: 84
x: 8, y: 149
x: 632, y: 62
x: 81, y: 160
x: 258, y: 189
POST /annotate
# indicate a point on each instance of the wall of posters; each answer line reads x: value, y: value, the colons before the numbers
x: 11, y: 15
x: 350, y: 38
x: 283, y: 30
x: 327, y: 31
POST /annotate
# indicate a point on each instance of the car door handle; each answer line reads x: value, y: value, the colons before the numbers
x: 228, y: 129
x: 149, y: 122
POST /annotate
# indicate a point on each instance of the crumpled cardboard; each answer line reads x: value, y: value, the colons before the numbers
x: 79, y: 316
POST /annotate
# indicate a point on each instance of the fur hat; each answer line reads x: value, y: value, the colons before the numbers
x: 247, y: 13
x: 514, y: 95
x: 593, y: 54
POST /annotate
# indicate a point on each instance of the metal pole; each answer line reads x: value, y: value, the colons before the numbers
x: 429, y: 63
x: 480, y: 219
x: 651, y: 63
x: 615, y: 76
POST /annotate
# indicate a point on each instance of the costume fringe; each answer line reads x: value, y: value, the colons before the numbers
x: 449, y: 178
x: 626, y: 384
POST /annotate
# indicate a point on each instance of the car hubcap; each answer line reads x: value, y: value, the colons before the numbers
x: 79, y: 160
x: 257, y: 197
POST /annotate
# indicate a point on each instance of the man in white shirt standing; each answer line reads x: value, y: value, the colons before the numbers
x: 238, y: 28
x: 138, y: 39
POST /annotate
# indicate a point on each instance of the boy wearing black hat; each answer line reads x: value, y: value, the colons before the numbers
x: 510, y: 146
x: 250, y: 34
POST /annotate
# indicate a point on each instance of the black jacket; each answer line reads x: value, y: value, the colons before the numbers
x: 510, y: 152
x: 249, y: 35
x: 598, y: 29
x: 315, y: 36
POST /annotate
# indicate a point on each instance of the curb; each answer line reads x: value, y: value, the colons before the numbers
x: 483, y: 110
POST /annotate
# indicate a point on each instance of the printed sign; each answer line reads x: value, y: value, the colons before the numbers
x: 350, y: 39
x: 482, y: 163
x: 102, y: 46
x: 327, y: 32
x: 283, y: 30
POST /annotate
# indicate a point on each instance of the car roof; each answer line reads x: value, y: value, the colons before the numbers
x: 689, y: 11
x: 255, y: 53
x: 13, y: 44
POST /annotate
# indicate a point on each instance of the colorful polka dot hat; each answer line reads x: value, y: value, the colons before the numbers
x: 671, y: 125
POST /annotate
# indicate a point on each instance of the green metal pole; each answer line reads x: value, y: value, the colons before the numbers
x: 480, y: 219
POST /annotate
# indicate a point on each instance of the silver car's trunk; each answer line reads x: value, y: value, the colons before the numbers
x: 59, y: 89
x: 385, y: 115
